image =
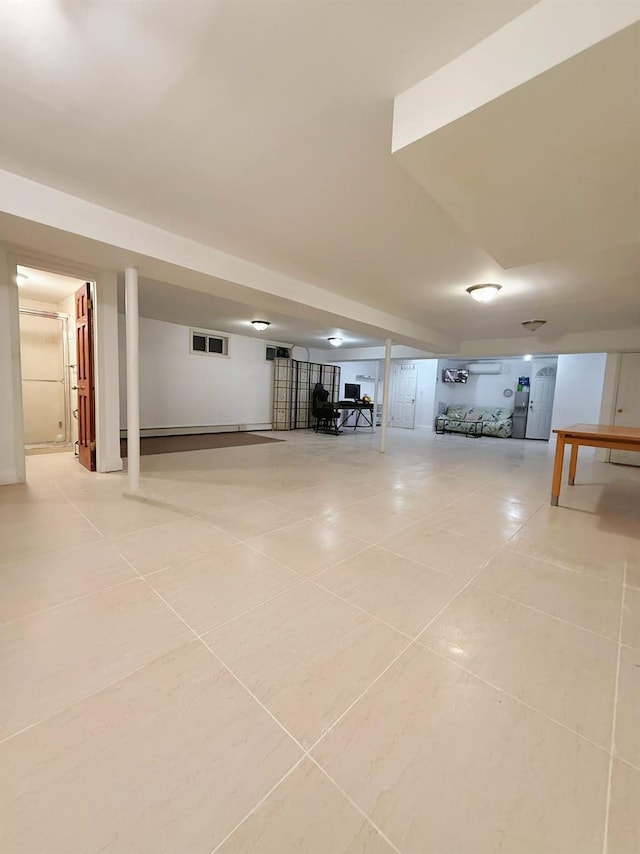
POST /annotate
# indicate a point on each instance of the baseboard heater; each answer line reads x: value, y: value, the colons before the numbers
x: 147, y: 432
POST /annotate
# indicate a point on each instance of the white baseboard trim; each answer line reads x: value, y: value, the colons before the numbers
x: 7, y: 477
x: 114, y: 464
x: 193, y: 431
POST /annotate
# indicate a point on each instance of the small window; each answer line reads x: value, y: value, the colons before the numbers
x: 209, y: 343
x: 199, y: 343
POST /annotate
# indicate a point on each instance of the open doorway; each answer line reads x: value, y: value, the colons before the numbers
x: 49, y: 359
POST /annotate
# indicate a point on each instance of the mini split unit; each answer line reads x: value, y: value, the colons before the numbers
x: 484, y: 367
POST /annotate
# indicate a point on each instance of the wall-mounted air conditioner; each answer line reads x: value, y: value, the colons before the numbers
x: 484, y: 367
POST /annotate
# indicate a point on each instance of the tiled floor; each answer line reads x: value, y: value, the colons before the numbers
x: 310, y: 647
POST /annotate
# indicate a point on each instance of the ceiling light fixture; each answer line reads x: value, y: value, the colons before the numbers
x: 528, y: 357
x: 21, y: 278
x: 260, y: 325
x: 335, y: 342
x: 532, y: 325
x: 484, y: 293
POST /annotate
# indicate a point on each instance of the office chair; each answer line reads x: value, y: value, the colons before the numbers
x: 324, y: 413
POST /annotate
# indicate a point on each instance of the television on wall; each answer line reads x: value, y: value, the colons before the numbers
x: 454, y: 375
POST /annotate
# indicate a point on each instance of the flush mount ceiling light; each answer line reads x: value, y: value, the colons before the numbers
x: 260, y: 325
x: 528, y: 357
x: 335, y: 342
x: 484, y: 293
x: 532, y: 325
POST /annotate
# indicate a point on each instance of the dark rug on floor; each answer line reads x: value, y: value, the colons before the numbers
x: 197, y: 442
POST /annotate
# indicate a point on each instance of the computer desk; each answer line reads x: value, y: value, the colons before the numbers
x: 363, y: 412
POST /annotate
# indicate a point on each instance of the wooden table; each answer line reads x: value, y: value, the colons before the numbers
x: 594, y: 435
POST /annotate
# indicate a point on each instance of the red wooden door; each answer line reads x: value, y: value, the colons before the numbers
x: 86, y: 402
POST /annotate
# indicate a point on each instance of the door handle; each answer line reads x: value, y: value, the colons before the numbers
x: 620, y: 410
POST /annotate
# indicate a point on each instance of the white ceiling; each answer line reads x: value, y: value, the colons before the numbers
x: 43, y: 286
x: 263, y: 128
x: 163, y: 301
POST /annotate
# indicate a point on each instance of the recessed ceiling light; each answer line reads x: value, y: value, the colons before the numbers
x: 260, y: 325
x: 484, y: 293
x: 21, y: 278
x: 532, y: 325
x: 335, y: 342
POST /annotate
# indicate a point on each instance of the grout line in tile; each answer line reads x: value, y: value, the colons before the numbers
x: 257, y: 805
x: 391, y: 663
x: 612, y: 745
x: 355, y: 805
x: 544, y: 613
x: 76, y: 701
x: 200, y: 639
x: 513, y: 697
x: 362, y: 610
x: 70, y: 601
x: 555, y: 565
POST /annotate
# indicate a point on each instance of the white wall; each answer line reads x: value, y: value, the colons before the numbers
x: 426, y: 392
x: 579, y: 388
x: 349, y: 372
x: 183, y: 389
x: 482, y: 389
x: 12, y: 467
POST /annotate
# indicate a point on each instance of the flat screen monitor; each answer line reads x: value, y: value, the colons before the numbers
x: 351, y: 391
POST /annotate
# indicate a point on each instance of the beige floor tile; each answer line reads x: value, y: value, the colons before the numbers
x: 164, y: 545
x: 217, y: 586
x: 442, y: 762
x: 377, y: 517
x: 633, y: 573
x: 118, y: 516
x: 399, y: 591
x: 60, y: 527
x: 457, y: 555
x: 631, y: 618
x: 493, y: 523
x: 306, y: 813
x: 58, y: 656
x: 308, y: 547
x: 306, y: 656
x: 582, y: 599
x: 35, y: 583
x: 168, y: 759
x: 212, y: 497
x: 624, y: 814
x: 326, y: 498
x: 565, y: 672
x: 627, y: 739
x: 573, y: 540
x: 253, y: 519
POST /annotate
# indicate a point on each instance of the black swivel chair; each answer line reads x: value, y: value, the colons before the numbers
x: 324, y: 412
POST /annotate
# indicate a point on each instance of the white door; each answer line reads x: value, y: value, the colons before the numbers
x: 628, y: 404
x: 543, y: 386
x: 403, y: 403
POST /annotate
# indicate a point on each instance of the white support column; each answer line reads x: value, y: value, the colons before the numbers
x: 12, y: 464
x: 376, y: 393
x: 133, y: 378
x: 107, y: 373
x: 385, y: 395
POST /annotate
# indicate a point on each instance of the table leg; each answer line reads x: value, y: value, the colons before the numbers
x: 557, y: 471
x: 573, y: 463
